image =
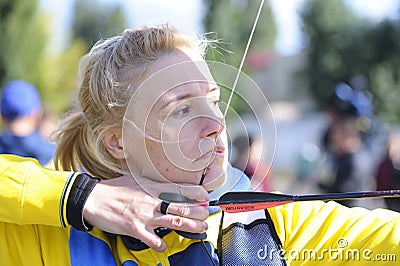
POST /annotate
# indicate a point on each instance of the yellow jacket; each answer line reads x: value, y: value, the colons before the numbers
x: 32, y: 194
x: 34, y: 231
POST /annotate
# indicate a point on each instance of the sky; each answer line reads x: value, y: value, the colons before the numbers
x: 187, y: 15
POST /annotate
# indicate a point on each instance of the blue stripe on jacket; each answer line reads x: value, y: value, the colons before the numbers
x: 86, y: 249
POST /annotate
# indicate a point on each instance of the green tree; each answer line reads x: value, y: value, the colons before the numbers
x: 384, y: 73
x: 24, y: 55
x: 24, y: 35
x: 94, y: 21
x: 24, y: 41
x: 343, y: 46
x: 230, y: 22
x: 331, y: 28
x: 58, y: 76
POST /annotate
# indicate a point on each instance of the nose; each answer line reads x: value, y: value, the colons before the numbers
x: 212, y: 120
x: 211, y: 126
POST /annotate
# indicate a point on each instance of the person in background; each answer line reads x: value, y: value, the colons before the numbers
x: 350, y: 161
x: 347, y: 102
x: 21, y: 111
x: 388, y: 172
x: 48, y: 123
x: 250, y: 160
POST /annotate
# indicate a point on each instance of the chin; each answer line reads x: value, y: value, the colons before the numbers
x: 215, y: 178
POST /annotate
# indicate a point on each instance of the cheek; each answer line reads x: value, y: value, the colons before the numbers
x: 170, y: 166
x: 189, y: 149
x: 188, y: 141
x: 166, y: 159
x: 155, y: 152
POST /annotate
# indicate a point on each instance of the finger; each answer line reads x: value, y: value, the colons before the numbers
x: 181, y: 223
x: 190, y: 191
x: 193, y: 192
x: 189, y: 211
x: 152, y: 240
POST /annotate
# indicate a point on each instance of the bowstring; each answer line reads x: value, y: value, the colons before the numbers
x: 227, y: 106
x: 203, y: 175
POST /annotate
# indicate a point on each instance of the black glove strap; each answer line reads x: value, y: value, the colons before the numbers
x: 80, y: 191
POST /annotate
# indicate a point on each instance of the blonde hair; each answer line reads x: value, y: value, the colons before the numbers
x: 108, y: 76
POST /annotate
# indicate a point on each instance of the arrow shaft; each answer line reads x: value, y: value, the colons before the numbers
x: 349, y: 195
x: 250, y: 201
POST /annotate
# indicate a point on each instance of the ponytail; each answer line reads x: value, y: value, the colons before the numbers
x: 79, y: 149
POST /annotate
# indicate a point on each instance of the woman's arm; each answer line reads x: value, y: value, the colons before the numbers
x: 32, y: 194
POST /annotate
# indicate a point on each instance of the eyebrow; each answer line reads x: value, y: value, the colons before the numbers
x: 177, y: 98
x: 184, y: 96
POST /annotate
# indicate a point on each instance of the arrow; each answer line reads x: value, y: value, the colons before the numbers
x: 233, y: 202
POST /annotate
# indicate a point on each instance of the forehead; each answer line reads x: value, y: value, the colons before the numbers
x: 180, y: 71
x: 183, y: 70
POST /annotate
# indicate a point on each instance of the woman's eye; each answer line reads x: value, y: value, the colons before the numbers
x: 181, y: 111
x: 214, y: 102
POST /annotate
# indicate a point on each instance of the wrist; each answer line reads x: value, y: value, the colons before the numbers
x: 93, y: 207
x: 80, y: 191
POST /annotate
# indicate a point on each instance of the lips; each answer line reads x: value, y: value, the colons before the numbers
x: 219, y: 151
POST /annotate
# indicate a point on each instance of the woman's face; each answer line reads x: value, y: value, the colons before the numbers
x: 182, y: 127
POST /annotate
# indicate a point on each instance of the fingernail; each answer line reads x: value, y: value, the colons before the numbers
x: 206, y: 226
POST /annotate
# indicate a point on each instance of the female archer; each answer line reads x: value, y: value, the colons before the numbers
x: 149, y: 106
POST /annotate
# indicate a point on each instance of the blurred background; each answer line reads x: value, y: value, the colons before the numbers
x: 329, y: 69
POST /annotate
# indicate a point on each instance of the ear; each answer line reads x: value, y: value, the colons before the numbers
x: 112, y: 139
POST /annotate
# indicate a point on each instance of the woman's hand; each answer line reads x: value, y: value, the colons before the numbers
x: 121, y: 206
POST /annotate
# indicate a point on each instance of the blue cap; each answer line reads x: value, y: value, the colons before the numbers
x: 354, y: 102
x: 19, y: 99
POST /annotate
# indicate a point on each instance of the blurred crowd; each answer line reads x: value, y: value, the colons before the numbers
x: 348, y: 143
x: 26, y: 125
x: 357, y: 152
